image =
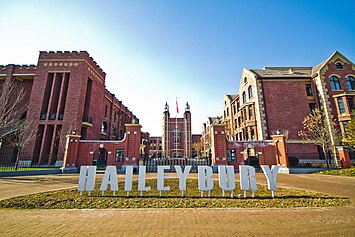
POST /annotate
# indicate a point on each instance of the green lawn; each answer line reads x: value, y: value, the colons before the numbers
x: 70, y: 198
x: 7, y: 169
x: 339, y: 172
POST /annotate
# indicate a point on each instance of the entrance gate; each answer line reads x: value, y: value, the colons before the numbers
x: 152, y: 165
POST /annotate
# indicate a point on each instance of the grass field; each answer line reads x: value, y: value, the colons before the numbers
x: 70, y: 198
x: 11, y: 168
x: 340, y: 172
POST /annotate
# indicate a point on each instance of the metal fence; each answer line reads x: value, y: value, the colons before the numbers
x: 152, y: 164
x: 28, y: 161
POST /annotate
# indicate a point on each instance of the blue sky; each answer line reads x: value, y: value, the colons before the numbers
x: 155, y: 51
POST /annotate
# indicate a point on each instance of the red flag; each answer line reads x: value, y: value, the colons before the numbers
x: 177, y: 107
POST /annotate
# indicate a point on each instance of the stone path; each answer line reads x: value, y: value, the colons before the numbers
x: 338, y: 221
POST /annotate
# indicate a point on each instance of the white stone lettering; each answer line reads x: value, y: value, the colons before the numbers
x: 271, y: 176
x: 226, y: 178
x: 247, y: 179
x: 110, y: 178
x: 128, y: 180
x: 87, y: 179
x: 141, y: 180
x: 205, y: 182
x: 160, y: 180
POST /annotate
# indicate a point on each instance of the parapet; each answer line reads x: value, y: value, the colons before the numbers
x: 19, y: 69
x: 72, y: 55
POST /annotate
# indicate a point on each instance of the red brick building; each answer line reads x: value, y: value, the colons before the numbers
x: 177, y: 138
x: 66, y: 94
x: 276, y: 99
x: 155, y: 147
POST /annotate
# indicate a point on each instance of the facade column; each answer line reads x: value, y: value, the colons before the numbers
x: 70, y: 152
x: 279, y: 142
x: 218, y: 145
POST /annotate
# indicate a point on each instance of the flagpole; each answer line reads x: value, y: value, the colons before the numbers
x: 176, y: 127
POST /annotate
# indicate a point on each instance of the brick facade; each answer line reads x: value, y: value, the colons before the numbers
x: 177, y: 137
x: 276, y: 99
x: 66, y: 94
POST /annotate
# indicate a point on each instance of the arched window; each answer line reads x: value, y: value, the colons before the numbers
x: 244, y: 97
x: 245, y: 80
x: 350, y: 80
x: 250, y: 92
x: 104, y: 127
x: 334, y: 83
x: 339, y: 66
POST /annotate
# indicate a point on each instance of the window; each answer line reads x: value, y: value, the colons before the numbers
x: 250, y: 92
x: 250, y: 112
x: 231, y: 155
x: 335, y: 83
x: 244, y: 97
x: 104, y: 127
x: 345, y: 126
x: 252, y: 132
x: 227, y: 112
x: 176, y: 134
x: 350, y: 80
x: 309, y: 90
x: 350, y: 104
x: 120, y: 155
x: 246, y: 135
x: 245, y: 80
x: 105, y: 111
x: 339, y: 66
x: 341, y: 106
x: 312, y: 106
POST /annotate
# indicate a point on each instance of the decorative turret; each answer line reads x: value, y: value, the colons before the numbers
x: 187, y: 106
x: 166, y: 108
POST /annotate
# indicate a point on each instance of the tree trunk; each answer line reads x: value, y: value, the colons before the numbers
x: 325, y: 156
x: 17, y: 159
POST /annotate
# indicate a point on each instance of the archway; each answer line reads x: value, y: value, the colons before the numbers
x: 100, y: 158
x: 252, y: 157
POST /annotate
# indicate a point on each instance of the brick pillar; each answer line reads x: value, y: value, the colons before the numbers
x: 219, y: 145
x: 133, y: 141
x: 344, y: 157
x: 71, y: 152
x: 279, y: 142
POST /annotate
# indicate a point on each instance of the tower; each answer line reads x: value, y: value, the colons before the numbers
x: 176, y: 136
x: 187, y: 125
x: 165, y: 135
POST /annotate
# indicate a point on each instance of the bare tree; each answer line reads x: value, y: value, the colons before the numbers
x: 349, y: 136
x: 316, y: 128
x: 63, y: 132
x: 25, y: 132
x: 198, y: 147
x: 11, y: 108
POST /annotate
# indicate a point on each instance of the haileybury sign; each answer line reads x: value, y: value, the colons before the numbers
x: 226, y: 179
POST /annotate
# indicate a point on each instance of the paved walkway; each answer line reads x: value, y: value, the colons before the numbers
x: 339, y: 221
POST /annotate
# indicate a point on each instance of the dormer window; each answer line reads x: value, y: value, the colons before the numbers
x: 339, y: 66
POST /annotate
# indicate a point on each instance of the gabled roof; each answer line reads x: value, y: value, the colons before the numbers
x: 319, y: 67
x: 230, y: 97
x: 283, y: 72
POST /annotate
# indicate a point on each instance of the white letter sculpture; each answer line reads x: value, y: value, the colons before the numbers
x: 87, y: 179
x: 141, y: 180
x: 161, y: 177
x: 205, y: 182
x: 226, y: 178
x: 182, y: 177
x: 110, y: 178
x: 247, y: 180
x: 128, y: 180
x: 271, y: 176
